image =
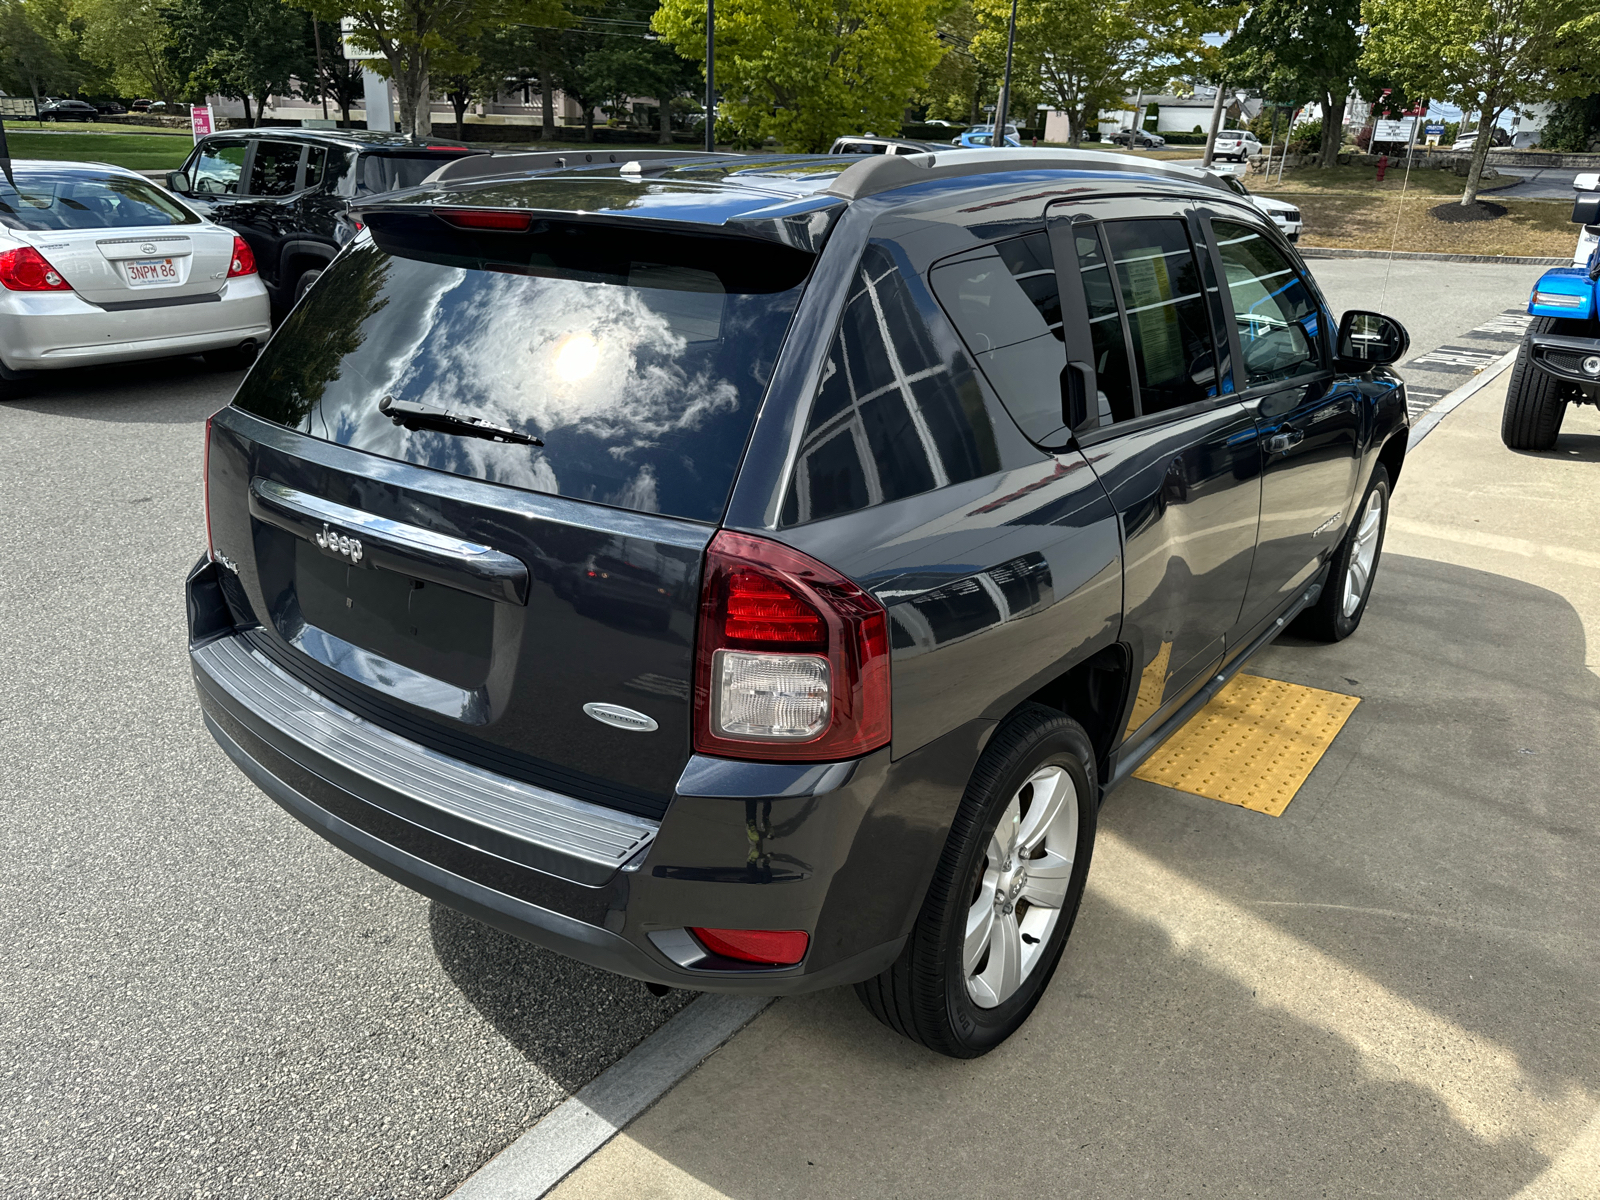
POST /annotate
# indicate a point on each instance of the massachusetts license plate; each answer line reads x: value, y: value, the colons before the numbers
x: 151, y: 272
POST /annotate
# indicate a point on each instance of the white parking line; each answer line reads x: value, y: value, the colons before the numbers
x: 1456, y: 398
x: 578, y: 1126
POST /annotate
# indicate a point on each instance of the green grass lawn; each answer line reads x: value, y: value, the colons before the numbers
x: 140, y: 151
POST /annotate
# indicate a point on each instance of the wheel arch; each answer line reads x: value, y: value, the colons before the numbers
x: 1093, y: 693
x: 1392, y: 456
x: 300, y: 256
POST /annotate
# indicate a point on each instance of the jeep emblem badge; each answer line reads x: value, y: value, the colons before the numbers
x: 620, y: 718
x: 340, y: 544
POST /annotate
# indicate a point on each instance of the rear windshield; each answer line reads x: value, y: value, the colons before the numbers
x: 391, y: 172
x: 639, y: 359
x: 47, y: 200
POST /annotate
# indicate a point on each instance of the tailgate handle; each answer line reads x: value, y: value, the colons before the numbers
x: 392, y: 545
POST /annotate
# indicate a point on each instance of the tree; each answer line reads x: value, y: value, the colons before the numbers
x: 1298, y: 51
x: 239, y: 48
x: 129, y: 38
x: 1087, y: 54
x: 334, y: 77
x: 622, y: 65
x: 1484, y: 56
x: 806, y: 71
x: 411, y: 34
x: 31, y: 60
x: 958, y: 85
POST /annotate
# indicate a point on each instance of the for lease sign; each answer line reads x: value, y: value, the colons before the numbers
x: 200, y: 120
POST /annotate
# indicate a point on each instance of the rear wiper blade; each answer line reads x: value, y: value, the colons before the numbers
x: 421, y: 416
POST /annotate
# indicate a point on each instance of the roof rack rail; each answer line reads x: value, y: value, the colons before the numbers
x: 495, y: 163
x: 886, y: 172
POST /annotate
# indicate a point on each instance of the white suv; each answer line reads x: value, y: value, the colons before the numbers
x: 1589, y: 235
x: 1236, y: 144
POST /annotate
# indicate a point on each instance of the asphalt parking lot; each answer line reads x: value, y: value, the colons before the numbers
x: 203, y: 999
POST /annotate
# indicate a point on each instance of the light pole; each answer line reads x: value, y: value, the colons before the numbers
x: 998, y: 137
x: 711, y: 75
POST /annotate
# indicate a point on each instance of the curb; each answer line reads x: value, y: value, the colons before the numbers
x: 1514, y: 259
x: 569, y: 1133
x: 1460, y: 396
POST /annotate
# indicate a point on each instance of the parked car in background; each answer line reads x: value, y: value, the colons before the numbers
x: 753, y: 581
x: 68, y: 110
x: 109, y: 108
x: 1558, y: 363
x: 287, y: 191
x: 1236, y: 144
x: 1284, y: 215
x: 983, y: 135
x: 139, y: 106
x: 99, y: 265
x: 1140, y: 139
x: 868, y: 144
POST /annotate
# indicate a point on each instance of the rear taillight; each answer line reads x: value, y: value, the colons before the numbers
x: 244, y: 259
x: 205, y: 489
x: 770, y: 947
x: 508, y: 220
x: 26, y: 270
x: 792, y: 660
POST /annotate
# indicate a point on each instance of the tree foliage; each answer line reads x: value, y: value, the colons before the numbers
x: 1297, y: 51
x: 238, y: 48
x: 1484, y: 56
x: 961, y: 83
x: 806, y: 71
x: 33, y: 60
x: 128, y: 38
x: 1087, y: 54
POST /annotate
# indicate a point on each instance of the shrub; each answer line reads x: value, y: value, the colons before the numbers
x: 1364, y: 139
x: 1152, y: 118
x: 1571, y: 125
x: 1306, y: 138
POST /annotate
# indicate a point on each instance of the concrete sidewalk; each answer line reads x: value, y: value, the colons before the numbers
x: 1388, y: 991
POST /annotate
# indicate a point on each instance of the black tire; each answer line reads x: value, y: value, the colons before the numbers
x: 1535, y: 402
x: 301, y: 285
x: 924, y: 994
x: 1326, y: 620
x: 15, y: 389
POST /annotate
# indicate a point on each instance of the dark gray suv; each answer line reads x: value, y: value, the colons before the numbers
x: 752, y: 574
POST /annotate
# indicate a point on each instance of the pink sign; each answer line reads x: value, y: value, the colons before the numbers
x: 200, y: 120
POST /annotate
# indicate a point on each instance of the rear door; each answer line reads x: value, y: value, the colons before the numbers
x: 475, y: 595
x: 1177, y: 452
x: 265, y: 215
x: 1309, y: 419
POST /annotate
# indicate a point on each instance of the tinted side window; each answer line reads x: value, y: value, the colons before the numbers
x: 1166, y: 310
x: 896, y: 413
x: 1113, y: 379
x: 316, y: 161
x: 272, y: 172
x: 1007, y: 306
x: 217, y: 169
x: 1271, y: 304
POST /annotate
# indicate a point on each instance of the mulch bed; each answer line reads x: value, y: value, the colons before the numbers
x: 1457, y: 214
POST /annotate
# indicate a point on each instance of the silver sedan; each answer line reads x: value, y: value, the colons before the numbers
x: 98, y: 265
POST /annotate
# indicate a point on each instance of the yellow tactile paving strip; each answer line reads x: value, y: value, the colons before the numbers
x: 1253, y: 745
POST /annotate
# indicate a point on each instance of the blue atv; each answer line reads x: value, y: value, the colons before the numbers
x: 1559, y: 362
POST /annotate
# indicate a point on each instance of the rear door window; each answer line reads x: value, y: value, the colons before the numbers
x: 638, y: 357
x: 896, y: 414
x: 1006, y: 303
x: 275, y: 168
x: 390, y: 172
x: 1165, y: 305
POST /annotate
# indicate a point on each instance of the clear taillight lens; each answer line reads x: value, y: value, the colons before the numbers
x: 26, y: 270
x: 792, y: 660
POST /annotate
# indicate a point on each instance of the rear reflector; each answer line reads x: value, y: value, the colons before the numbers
x: 770, y: 947
x: 26, y: 270
x: 486, y: 218
x: 792, y: 658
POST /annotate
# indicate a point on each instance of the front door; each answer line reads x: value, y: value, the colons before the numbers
x: 1310, y: 420
x: 1178, y: 454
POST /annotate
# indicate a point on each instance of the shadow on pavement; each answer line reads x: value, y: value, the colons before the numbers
x: 162, y: 391
x: 1388, y: 991
x: 570, y: 1019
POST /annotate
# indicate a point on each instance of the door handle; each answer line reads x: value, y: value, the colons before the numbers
x: 1280, y: 443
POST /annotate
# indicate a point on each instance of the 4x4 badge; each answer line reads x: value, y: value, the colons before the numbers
x: 340, y: 544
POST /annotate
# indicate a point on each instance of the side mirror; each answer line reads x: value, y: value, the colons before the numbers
x: 1586, y: 209
x: 1369, y: 339
x: 178, y: 182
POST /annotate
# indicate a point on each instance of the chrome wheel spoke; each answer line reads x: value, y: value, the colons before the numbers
x: 1003, y: 841
x: 980, y: 924
x: 1048, y: 878
x: 1002, y: 974
x: 1051, y: 787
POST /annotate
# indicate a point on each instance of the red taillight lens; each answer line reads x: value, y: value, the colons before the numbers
x: 26, y: 270
x: 205, y: 488
x: 792, y: 659
x: 244, y: 259
x: 771, y: 947
x: 486, y: 218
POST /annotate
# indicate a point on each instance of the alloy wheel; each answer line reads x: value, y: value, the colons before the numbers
x: 1022, y: 886
x: 1363, y: 553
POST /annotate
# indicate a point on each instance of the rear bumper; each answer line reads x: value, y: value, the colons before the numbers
x: 843, y: 851
x: 44, y: 331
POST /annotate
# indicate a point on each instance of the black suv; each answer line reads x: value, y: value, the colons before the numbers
x: 287, y: 191
x: 751, y: 575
